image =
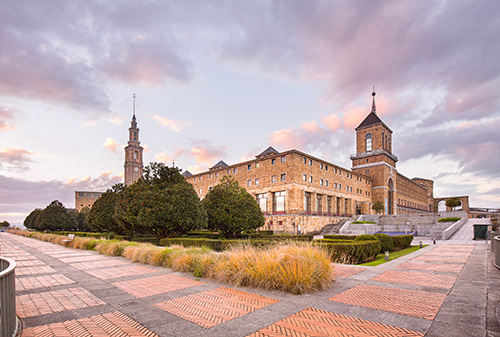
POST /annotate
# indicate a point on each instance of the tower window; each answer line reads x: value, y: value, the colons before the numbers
x: 368, y: 142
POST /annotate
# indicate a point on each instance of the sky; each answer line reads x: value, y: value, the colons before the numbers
x: 226, y: 79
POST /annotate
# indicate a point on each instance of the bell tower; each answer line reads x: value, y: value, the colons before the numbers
x: 133, y: 153
x: 374, y: 158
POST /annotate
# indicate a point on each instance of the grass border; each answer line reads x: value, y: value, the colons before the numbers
x: 380, y: 258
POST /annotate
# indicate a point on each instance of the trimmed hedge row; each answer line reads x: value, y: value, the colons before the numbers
x: 83, y: 234
x: 217, y: 245
x: 340, y: 237
x: 350, y: 252
x: 402, y: 241
x: 452, y: 219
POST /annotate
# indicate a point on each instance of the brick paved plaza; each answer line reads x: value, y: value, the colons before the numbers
x: 448, y: 289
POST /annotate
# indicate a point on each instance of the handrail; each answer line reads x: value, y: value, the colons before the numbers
x: 8, y: 318
x: 497, y: 251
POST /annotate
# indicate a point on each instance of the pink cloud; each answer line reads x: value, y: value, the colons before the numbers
x: 15, y: 159
x: 164, y: 158
x: 172, y: 124
x: 207, y: 154
x: 332, y: 121
x: 6, y: 118
x: 112, y: 145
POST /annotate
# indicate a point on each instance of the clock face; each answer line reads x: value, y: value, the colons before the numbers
x: 136, y: 169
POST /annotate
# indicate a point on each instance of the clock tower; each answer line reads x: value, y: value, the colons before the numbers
x: 133, y: 153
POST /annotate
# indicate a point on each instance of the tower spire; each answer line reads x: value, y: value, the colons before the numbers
x: 374, y: 109
x: 133, y: 95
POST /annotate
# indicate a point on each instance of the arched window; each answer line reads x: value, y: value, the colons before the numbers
x: 368, y: 142
x: 135, y: 155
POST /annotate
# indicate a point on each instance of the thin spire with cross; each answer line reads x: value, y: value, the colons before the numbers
x: 133, y: 95
x: 374, y: 109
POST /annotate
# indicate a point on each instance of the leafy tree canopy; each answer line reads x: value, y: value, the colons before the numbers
x: 55, y: 217
x: 161, y: 176
x: 101, y: 215
x: 453, y: 203
x: 378, y: 206
x: 4, y: 224
x: 231, y: 209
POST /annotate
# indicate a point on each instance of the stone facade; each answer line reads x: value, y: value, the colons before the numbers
x: 133, y: 155
x: 85, y: 199
x: 296, y: 191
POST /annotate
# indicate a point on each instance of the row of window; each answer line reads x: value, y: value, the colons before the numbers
x: 411, y: 204
x: 274, y: 178
x: 257, y: 165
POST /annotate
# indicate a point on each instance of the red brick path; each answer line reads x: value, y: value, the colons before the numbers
x: 156, y: 285
x: 316, y: 322
x: 416, y: 278
x: 401, y: 301
x: 213, y: 307
x: 110, y: 324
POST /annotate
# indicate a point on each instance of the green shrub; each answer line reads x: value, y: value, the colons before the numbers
x: 364, y: 222
x: 350, y: 252
x: 340, y: 237
x: 402, y: 241
x: 386, y: 243
x: 217, y: 245
x: 365, y: 237
x: 452, y: 219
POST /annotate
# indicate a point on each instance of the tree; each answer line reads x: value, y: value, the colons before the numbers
x: 4, y: 224
x: 55, y: 217
x: 453, y: 203
x: 161, y: 203
x: 101, y: 215
x: 81, y: 218
x: 378, y: 206
x: 30, y: 221
x: 231, y: 209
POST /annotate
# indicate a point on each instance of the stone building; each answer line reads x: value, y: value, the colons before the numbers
x: 133, y: 153
x: 299, y: 193
x: 85, y: 199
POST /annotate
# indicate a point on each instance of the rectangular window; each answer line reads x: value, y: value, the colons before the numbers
x: 310, y: 162
x: 335, y: 185
x: 273, y: 161
x: 273, y: 178
x: 249, y: 167
x: 321, y: 165
x: 249, y: 182
x: 326, y: 183
x: 307, y: 201
x: 335, y: 170
x: 257, y: 165
x: 326, y: 167
x: 283, y: 177
x: 340, y: 172
x: 200, y: 178
x: 199, y: 191
x: 210, y: 176
x: 257, y: 181
x: 194, y: 180
x: 235, y: 170
x: 228, y: 172
x: 283, y: 159
x: 321, y: 182
x: 319, y: 203
x: 305, y: 160
x: 310, y: 179
x: 329, y: 204
x: 304, y: 177
x: 367, y: 171
x: 280, y: 222
x: 340, y: 186
x: 262, y: 201
x: 279, y: 201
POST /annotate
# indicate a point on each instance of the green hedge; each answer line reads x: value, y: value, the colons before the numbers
x: 402, y: 241
x: 83, y: 234
x: 365, y: 237
x: 217, y: 245
x: 453, y: 219
x: 350, y: 252
x: 386, y: 242
x: 363, y: 222
x: 340, y: 237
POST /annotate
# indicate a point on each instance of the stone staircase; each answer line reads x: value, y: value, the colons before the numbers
x: 333, y: 228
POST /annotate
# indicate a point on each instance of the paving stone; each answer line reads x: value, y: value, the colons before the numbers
x: 416, y: 278
x: 156, y: 285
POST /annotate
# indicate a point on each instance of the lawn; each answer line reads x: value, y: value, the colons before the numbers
x: 380, y: 258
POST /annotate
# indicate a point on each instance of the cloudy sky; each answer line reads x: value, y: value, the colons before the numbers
x: 225, y: 79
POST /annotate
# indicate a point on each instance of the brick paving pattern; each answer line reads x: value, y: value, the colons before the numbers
x: 98, y: 264
x: 438, y: 267
x: 416, y: 278
x: 35, y: 270
x: 316, y: 322
x: 110, y: 324
x: 55, y: 301
x: 28, y: 263
x: 346, y: 271
x: 45, y: 281
x: 420, y: 304
x: 156, y: 285
x: 116, y: 272
x: 73, y: 259
x: 442, y: 259
x: 213, y: 307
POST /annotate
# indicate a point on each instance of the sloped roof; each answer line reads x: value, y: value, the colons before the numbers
x: 370, y: 120
x: 219, y: 165
x: 187, y: 174
x: 267, y: 152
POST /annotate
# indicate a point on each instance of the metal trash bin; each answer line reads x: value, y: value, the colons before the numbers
x: 480, y: 231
